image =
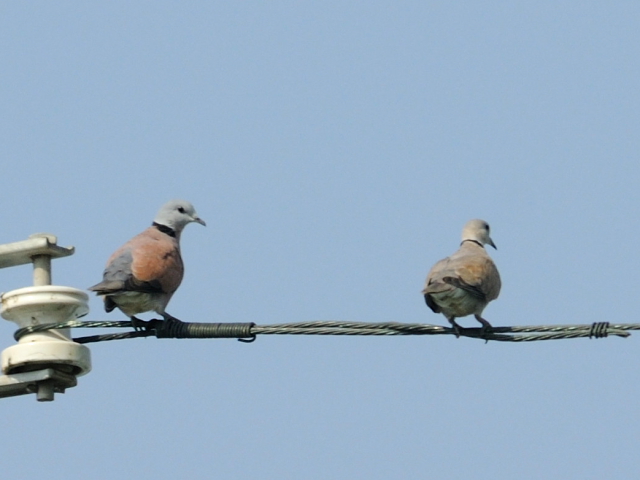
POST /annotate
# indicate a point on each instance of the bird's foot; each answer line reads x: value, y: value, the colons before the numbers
x: 457, y: 329
x: 485, y: 329
x: 137, y: 324
x: 167, y: 328
x: 170, y: 319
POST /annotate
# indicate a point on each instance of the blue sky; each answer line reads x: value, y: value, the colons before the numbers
x: 335, y: 150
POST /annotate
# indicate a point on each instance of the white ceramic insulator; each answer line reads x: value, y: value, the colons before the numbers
x: 52, y: 348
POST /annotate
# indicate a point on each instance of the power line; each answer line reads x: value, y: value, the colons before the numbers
x: 247, y: 332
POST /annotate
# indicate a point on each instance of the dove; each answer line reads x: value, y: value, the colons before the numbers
x: 143, y: 274
x: 464, y: 283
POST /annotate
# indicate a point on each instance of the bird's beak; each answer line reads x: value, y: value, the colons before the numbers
x: 492, y: 244
x: 200, y: 221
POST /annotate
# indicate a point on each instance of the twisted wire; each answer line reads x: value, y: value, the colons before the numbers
x: 248, y: 331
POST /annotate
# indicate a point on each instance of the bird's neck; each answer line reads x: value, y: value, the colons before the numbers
x: 472, y: 241
x: 166, y: 230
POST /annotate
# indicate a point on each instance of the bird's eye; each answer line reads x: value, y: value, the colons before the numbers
x: 181, y: 209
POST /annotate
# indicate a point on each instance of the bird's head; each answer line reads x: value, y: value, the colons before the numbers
x: 177, y: 214
x: 478, y: 231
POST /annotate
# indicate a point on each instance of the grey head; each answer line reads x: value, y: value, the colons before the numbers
x: 177, y: 214
x: 477, y: 231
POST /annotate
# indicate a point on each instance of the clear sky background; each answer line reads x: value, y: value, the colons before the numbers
x: 335, y: 149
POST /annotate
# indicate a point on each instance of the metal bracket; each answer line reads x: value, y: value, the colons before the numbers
x: 44, y: 383
x: 21, y: 253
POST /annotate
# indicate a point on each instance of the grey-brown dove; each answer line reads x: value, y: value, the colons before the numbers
x: 143, y: 274
x: 464, y: 283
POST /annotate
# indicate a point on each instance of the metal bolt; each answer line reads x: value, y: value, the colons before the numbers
x: 42, y: 263
x: 45, y: 392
